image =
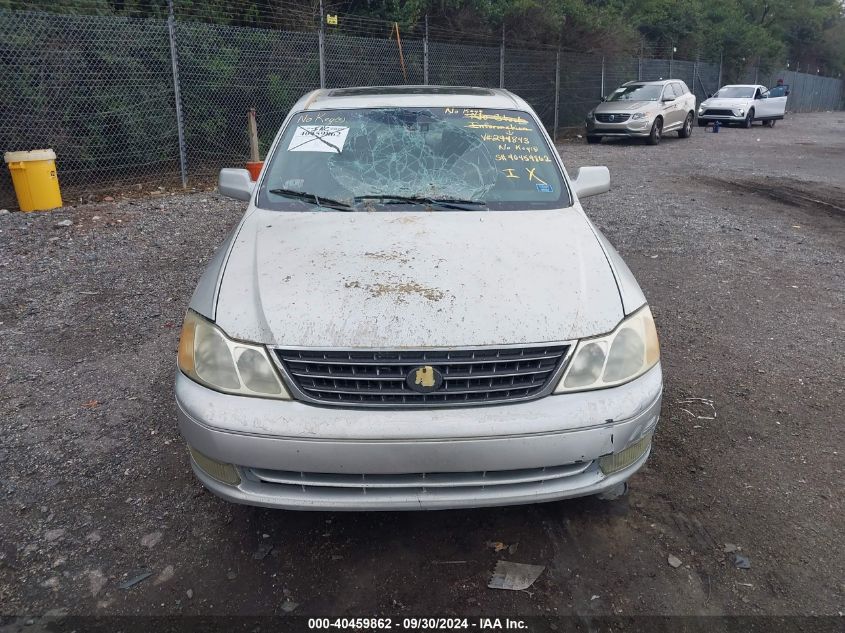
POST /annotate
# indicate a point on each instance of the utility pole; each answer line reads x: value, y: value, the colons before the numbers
x: 557, y: 95
x: 602, y: 76
x: 425, y: 52
x: 695, y: 70
x: 671, y: 60
x: 502, y: 59
x: 719, y: 83
x: 321, y: 38
x: 177, y: 93
x: 640, y: 62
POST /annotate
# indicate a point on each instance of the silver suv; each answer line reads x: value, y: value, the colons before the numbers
x: 643, y: 109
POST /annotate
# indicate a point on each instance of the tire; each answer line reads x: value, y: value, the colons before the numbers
x: 593, y: 139
x: 656, y: 132
x: 749, y: 119
x: 617, y: 492
x: 686, y: 131
x: 769, y: 123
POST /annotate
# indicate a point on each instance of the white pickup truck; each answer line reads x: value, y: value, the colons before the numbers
x: 744, y: 104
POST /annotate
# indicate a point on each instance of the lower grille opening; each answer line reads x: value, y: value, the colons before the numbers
x: 411, y: 483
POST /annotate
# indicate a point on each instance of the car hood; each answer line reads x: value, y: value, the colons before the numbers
x: 427, y: 279
x: 725, y: 103
x: 624, y: 106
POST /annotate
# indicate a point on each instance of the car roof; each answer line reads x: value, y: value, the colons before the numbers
x: 659, y: 82
x: 410, y: 96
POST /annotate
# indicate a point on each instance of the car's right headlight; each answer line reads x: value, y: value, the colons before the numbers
x: 590, y: 115
x: 212, y: 359
x: 624, y: 354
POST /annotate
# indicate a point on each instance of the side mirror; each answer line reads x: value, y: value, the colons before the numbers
x: 591, y: 181
x: 603, y: 99
x: 235, y: 183
x: 786, y: 93
x: 709, y: 95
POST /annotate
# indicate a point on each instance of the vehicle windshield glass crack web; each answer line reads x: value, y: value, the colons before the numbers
x: 413, y: 153
x: 491, y: 159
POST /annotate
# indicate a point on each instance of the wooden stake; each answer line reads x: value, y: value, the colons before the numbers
x: 253, y: 136
x: 401, y: 57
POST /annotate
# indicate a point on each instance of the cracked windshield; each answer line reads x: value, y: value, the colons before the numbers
x: 404, y: 159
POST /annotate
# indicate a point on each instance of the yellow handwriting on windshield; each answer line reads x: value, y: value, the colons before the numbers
x: 500, y: 118
x: 510, y: 127
x: 524, y: 158
x: 533, y: 176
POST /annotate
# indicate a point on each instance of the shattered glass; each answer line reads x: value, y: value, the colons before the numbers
x: 367, y: 159
x: 398, y: 154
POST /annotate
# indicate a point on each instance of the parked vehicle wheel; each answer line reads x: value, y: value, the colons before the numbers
x: 769, y: 123
x: 656, y: 132
x: 593, y: 139
x: 685, y: 131
x: 749, y: 119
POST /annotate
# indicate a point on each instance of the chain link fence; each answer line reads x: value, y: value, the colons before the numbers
x: 99, y: 90
x: 135, y: 103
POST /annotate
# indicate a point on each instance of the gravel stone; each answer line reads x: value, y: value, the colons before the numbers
x: 89, y: 320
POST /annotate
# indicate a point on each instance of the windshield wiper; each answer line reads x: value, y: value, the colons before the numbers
x: 307, y: 196
x: 446, y: 203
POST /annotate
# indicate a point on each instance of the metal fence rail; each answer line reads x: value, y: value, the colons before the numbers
x: 135, y: 103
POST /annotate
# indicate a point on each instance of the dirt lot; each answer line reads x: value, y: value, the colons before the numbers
x: 738, y: 240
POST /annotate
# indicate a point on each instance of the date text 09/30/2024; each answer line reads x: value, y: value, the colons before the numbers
x: 418, y: 624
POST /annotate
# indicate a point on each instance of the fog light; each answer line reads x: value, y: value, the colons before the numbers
x: 617, y: 461
x: 224, y: 473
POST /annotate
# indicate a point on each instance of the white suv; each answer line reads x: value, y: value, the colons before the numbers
x: 744, y: 104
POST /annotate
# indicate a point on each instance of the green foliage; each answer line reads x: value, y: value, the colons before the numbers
x: 93, y: 78
x: 810, y: 32
x: 806, y: 32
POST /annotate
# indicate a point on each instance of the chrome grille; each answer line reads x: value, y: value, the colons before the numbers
x: 612, y: 118
x: 718, y: 113
x: 377, y: 378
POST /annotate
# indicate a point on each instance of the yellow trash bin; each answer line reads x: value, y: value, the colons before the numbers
x: 34, y: 178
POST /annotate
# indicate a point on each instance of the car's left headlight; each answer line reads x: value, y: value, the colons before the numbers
x: 638, y: 115
x: 209, y: 357
x: 627, y: 352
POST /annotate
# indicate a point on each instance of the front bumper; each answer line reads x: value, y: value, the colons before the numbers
x: 636, y: 129
x: 724, y: 118
x: 299, y: 456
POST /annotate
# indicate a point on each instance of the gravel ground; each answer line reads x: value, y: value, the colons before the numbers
x: 738, y: 240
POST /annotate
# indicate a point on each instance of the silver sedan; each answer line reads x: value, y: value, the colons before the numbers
x: 415, y: 312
